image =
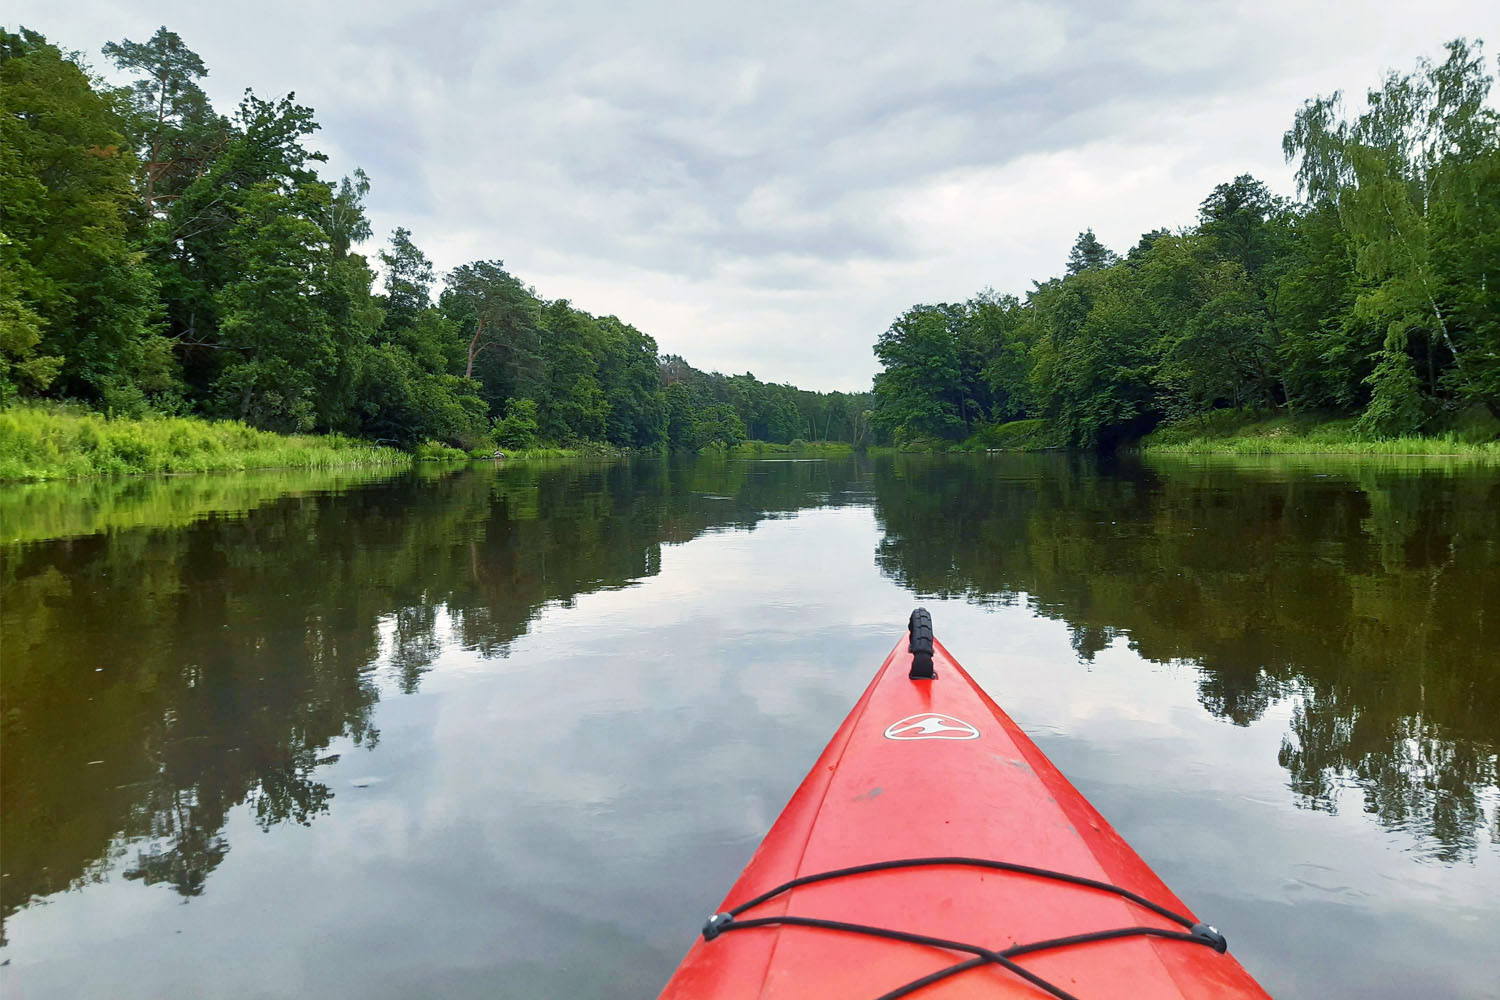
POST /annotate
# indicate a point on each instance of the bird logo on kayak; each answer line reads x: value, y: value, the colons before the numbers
x: 931, y: 726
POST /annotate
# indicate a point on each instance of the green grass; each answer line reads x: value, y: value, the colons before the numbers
x: 58, y: 442
x: 1015, y: 435
x: 587, y: 450
x: 435, y: 451
x: 1237, y: 432
x: 755, y: 449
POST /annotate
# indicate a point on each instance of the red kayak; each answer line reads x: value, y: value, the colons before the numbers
x: 934, y: 850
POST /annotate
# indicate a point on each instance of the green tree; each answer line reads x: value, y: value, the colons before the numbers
x: 76, y: 303
x: 396, y: 398
x: 200, y: 247
x: 1088, y: 254
x: 518, y: 428
x: 499, y: 318
x: 915, y: 393
x: 22, y: 370
x: 278, y: 342
x: 571, y: 406
x: 1095, y: 361
x: 1407, y: 178
x: 176, y: 128
x: 408, y: 281
x: 994, y: 355
x: 1143, y: 246
x: 695, y: 420
x: 717, y: 425
x: 1241, y: 221
x: 629, y: 375
x: 1212, y: 326
x: 679, y: 401
x: 354, y: 314
x: 1325, y: 352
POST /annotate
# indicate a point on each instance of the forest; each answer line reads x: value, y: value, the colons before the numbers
x: 1367, y: 299
x: 159, y: 256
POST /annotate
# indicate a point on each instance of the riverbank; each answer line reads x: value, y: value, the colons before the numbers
x: 39, y: 443
x: 760, y: 449
x: 588, y: 449
x: 1232, y: 432
x: 1016, y: 435
x: 1475, y: 433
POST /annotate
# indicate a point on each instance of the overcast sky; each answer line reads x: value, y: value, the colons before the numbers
x: 762, y: 186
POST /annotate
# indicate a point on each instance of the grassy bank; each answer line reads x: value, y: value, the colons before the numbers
x: 1234, y: 432
x: 811, y: 449
x: 1015, y: 435
x: 1472, y: 434
x: 41, y: 443
x: 591, y: 449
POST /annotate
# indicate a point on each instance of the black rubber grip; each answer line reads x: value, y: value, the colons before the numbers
x: 919, y: 629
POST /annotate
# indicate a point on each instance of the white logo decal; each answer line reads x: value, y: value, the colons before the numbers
x: 931, y: 726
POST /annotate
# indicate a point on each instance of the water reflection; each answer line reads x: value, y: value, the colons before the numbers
x: 176, y: 650
x: 1369, y: 594
x: 183, y: 659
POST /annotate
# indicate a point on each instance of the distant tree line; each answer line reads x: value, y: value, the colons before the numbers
x: 703, y: 407
x: 158, y: 255
x: 1377, y: 295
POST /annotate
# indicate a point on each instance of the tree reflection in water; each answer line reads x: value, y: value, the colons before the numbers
x: 172, y: 657
x: 1369, y: 596
x: 167, y: 663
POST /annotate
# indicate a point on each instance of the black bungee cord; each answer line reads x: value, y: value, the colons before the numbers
x: 1196, y: 933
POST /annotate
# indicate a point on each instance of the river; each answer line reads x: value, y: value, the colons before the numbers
x: 513, y: 731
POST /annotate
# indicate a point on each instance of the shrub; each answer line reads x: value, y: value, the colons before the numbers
x: 518, y: 428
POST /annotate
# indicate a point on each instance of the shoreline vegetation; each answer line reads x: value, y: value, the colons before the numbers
x: 1471, y: 435
x: 159, y: 256
x: 1361, y: 317
x: 1250, y: 434
x: 182, y: 291
x: 40, y: 444
x: 47, y: 443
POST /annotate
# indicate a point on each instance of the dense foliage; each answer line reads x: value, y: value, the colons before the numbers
x: 158, y: 256
x: 1371, y: 298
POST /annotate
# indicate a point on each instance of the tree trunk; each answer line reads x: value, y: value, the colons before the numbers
x: 1422, y: 277
x: 161, y: 117
x: 474, y: 348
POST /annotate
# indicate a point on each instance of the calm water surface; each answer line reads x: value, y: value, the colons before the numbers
x: 513, y: 732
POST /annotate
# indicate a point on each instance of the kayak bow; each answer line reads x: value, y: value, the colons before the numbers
x: 934, y: 848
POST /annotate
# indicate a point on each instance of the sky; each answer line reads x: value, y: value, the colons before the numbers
x: 764, y: 187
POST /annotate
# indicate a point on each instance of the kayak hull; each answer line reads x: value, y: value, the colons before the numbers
x: 934, y: 768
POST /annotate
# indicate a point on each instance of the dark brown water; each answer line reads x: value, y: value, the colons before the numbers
x: 513, y: 732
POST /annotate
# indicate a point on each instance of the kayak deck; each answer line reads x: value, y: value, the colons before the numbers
x: 933, y: 768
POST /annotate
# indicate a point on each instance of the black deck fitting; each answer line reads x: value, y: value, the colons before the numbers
x: 919, y: 625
